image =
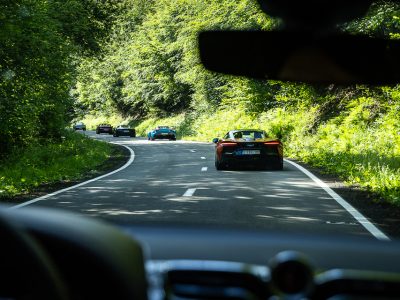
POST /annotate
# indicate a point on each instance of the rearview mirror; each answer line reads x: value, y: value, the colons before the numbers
x: 288, y: 56
x: 215, y: 140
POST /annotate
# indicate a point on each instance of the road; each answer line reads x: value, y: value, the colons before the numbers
x: 176, y: 182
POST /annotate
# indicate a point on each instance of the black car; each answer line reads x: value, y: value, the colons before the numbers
x: 124, y: 130
x: 104, y: 128
x: 79, y: 126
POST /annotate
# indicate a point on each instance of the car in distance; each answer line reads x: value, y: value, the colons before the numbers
x: 104, y: 128
x: 248, y: 147
x: 124, y: 130
x: 79, y: 126
x: 162, y: 132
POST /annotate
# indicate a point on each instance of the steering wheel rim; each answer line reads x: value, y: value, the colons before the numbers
x: 26, y: 270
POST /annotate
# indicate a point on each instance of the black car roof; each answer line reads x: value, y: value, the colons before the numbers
x: 237, y: 130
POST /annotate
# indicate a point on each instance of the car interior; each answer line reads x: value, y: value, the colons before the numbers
x: 53, y: 254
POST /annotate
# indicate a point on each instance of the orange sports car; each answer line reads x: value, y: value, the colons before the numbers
x: 248, y: 147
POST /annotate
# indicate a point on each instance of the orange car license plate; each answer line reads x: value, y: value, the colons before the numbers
x: 249, y: 152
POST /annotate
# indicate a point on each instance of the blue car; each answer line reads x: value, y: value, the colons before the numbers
x: 162, y: 132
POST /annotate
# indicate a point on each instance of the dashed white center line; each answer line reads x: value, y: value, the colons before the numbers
x: 189, y: 193
x: 203, y: 157
x: 203, y: 169
x: 193, y: 150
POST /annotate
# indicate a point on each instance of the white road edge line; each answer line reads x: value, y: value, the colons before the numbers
x: 127, y: 164
x: 203, y: 169
x: 189, y: 192
x: 354, y: 212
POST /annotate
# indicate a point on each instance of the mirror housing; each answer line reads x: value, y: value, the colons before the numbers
x: 330, y: 12
x: 302, y: 56
x: 215, y: 140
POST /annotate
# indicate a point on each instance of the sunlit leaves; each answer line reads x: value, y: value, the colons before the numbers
x: 41, y: 43
x: 382, y: 20
x: 155, y: 58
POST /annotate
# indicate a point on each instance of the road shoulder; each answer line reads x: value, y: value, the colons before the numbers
x: 383, y: 214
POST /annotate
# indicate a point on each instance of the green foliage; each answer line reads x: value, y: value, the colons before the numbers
x: 85, y: 22
x: 71, y: 159
x: 359, y: 145
x: 152, y: 68
x: 382, y: 20
x: 34, y: 65
x: 40, y: 43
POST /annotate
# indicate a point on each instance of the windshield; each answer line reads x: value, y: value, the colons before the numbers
x: 321, y: 158
x: 249, y: 134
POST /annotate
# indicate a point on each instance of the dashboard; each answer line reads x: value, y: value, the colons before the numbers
x: 88, y: 259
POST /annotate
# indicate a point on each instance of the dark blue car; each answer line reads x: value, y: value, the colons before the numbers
x: 162, y: 132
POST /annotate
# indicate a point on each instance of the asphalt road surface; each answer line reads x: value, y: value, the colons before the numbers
x: 176, y: 182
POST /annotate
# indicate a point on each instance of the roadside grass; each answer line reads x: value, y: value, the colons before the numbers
x: 359, y: 150
x: 76, y: 157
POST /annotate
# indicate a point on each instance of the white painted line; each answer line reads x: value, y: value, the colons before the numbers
x: 189, y: 193
x: 193, y: 151
x: 202, y: 157
x: 354, y: 212
x: 203, y: 169
x: 127, y: 164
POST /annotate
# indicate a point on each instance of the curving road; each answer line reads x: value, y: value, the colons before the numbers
x: 176, y: 182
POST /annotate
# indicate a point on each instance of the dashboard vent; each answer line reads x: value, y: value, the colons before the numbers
x: 203, y: 284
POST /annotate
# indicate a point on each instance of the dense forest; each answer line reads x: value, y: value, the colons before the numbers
x: 41, y: 45
x: 137, y: 61
x: 150, y: 64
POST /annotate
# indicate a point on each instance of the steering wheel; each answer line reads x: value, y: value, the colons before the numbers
x: 26, y: 271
